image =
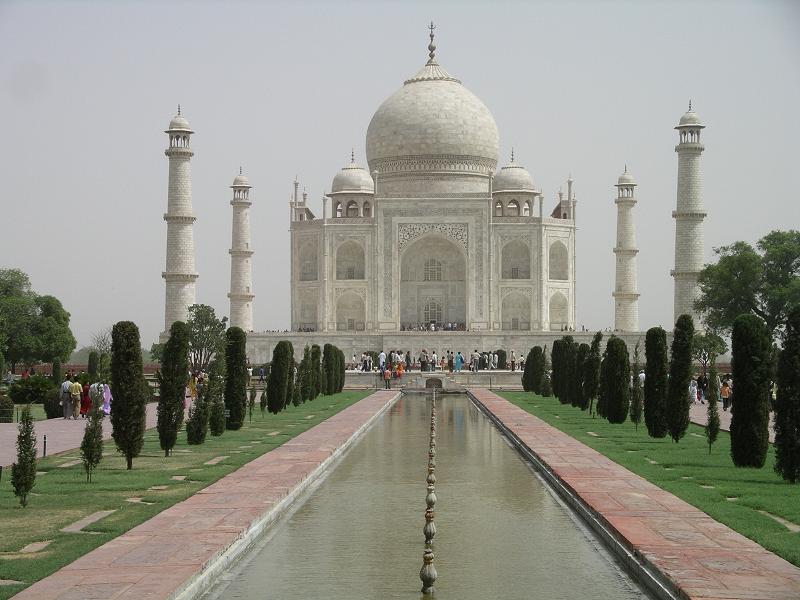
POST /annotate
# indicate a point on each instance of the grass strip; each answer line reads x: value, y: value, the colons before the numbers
x: 62, y: 496
x: 710, y: 482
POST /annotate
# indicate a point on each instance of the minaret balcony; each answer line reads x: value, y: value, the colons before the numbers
x: 179, y: 218
x: 179, y: 152
x: 241, y: 252
x: 690, y: 147
x: 626, y: 251
x: 687, y: 215
x: 180, y: 277
x: 243, y: 297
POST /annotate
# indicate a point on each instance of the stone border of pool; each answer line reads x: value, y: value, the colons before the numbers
x: 676, y: 550
x: 176, y: 554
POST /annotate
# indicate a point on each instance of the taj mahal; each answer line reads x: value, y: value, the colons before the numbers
x: 431, y: 244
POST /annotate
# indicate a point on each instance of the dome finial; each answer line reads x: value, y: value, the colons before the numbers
x: 432, y: 46
x: 690, y: 104
x: 626, y: 167
x: 240, y: 169
x: 352, y: 156
x: 179, y: 109
x: 512, y: 155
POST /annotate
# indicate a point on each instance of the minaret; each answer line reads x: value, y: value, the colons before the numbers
x: 626, y: 294
x: 180, y: 273
x: 688, y: 216
x: 241, y: 294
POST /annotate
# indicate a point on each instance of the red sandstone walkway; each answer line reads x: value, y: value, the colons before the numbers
x: 161, y: 556
x: 62, y: 435
x: 704, y: 559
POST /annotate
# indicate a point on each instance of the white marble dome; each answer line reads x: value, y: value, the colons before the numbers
x: 433, y: 116
x: 690, y: 119
x: 179, y: 123
x: 626, y: 178
x: 241, y: 181
x: 513, y: 177
x: 353, y: 178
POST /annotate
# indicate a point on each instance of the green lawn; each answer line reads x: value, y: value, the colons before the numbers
x: 731, y: 495
x: 37, y: 412
x: 62, y: 496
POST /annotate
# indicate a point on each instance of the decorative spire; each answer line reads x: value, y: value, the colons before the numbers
x: 179, y: 108
x: 512, y: 155
x: 352, y: 156
x: 626, y: 164
x: 240, y: 169
x: 690, y: 104
x: 432, y: 46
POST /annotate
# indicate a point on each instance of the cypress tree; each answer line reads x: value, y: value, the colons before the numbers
x: 291, y: 375
x: 750, y: 354
x: 570, y: 370
x: 591, y: 376
x: 615, y: 373
x: 55, y: 376
x: 252, y: 403
x: 307, y: 370
x: 556, y: 368
x: 712, y: 397
x: 537, y: 373
x: 199, y: 416
x: 172, y: 377
x: 278, y: 374
x: 235, y: 378
x: 328, y: 381
x: 216, y: 421
x: 582, y: 364
x: 529, y: 383
x: 92, y: 444
x: 787, y: 403
x: 655, y: 382
x: 23, y: 472
x: 342, y: 373
x: 3, y: 364
x: 680, y: 373
x: 128, y: 414
x: 94, y: 362
x: 546, y: 385
x: 316, y: 370
x: 637, y: 393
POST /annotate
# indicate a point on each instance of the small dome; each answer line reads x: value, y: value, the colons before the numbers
x: 690, y: 119
x: 241, y: 181
x: 179, y: 123
x: 513, y: 177
x: 353, y: 178
x: 626, y: 178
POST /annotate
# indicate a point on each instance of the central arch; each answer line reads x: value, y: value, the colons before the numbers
x: 433, y: 282
x: 350, y: 313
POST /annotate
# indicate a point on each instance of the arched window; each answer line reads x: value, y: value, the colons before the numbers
x: 498, y: 209
x: 307, y: 261
x: 367, y: 209
x: 559, y: 261
x: 350, y: 261
x: 526, y: 209
x: 337, y: 209
x: 515, y: 261
x: 516, y: 312
x: 433, y: 270
x: 432, y: 310
x: 512, y: 210
x: 558, y: 312
x: 352, y: 208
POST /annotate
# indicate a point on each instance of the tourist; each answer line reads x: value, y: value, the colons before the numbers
x: 261, y: 374
x: 423, y: 361
x: 474, y: 361
x: 458, y: 361
x: 725, y: 393
x: 106, y: 399
x: 249, y: 375
x: 693, y: 391
x: 513, y: 361
x: 450, y: 361
x: 494, y: 361
x: 75, y: 393
x: 702, y: 387
x: 354, y: 364
x: 641, y: 378
x: 86, y: 401
x: 382, y: 361
x: 66, y: 401
x: 387, y: 378
x: 434, y: 361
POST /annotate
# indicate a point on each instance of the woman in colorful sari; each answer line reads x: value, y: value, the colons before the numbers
x: 106, y: 399
x: 86, y: 401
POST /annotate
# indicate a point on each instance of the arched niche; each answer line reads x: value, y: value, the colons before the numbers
x: 559, y: 311
x: 433, y: 271
x: 559, y: 261
x: 350, y: 313
x: 307, y: 261
x: 367, y: 209
x: 512, y: 209
x: 352, y: 208
x: 516, y: 312
x: 350, y: 261
x: 515, y: 261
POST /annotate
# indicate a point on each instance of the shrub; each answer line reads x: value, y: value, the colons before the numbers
x: 570, y: 371
x: 278, y: 378
x: 555, y: 377
x: 502, y: 359
x: 55, y: 375
x: 316, y: 370
x: 680, y: 373
x: 52, y: 404
x: 547, y: 387
x: 6, y: 409
x: 637, y: 393
x: 328, y: 367
x: 591, y: 375
x: 581, y: 368
x: 533, y: 362
x: 128, y: 413
x: 172, y: 379
x: 340, y: 370
x: 216, y: 423
x: 94, y: 363
x: 655, y: 382
x: 751, y: 349
x: 712, y: 397
x: 291, y: 375
x: 615, y: 374
x: 251, y: 404
x: 787, y: 403
x: 33, y: 390
x: 235, y: 378
x: 23, y: 472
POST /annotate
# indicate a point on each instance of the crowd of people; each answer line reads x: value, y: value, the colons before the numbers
x: 76, y: 396
x: 450, y: 326
x: 431, y: 361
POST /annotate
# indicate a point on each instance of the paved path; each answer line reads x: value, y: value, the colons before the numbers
x: 702, y: 558
x: 62, y: 435
x: 698, y: 414
x: 162, y: 556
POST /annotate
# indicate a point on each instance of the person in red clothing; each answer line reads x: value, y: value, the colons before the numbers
x: 86, y: 401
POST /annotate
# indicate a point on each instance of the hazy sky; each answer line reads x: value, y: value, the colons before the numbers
x: 86, y: 90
